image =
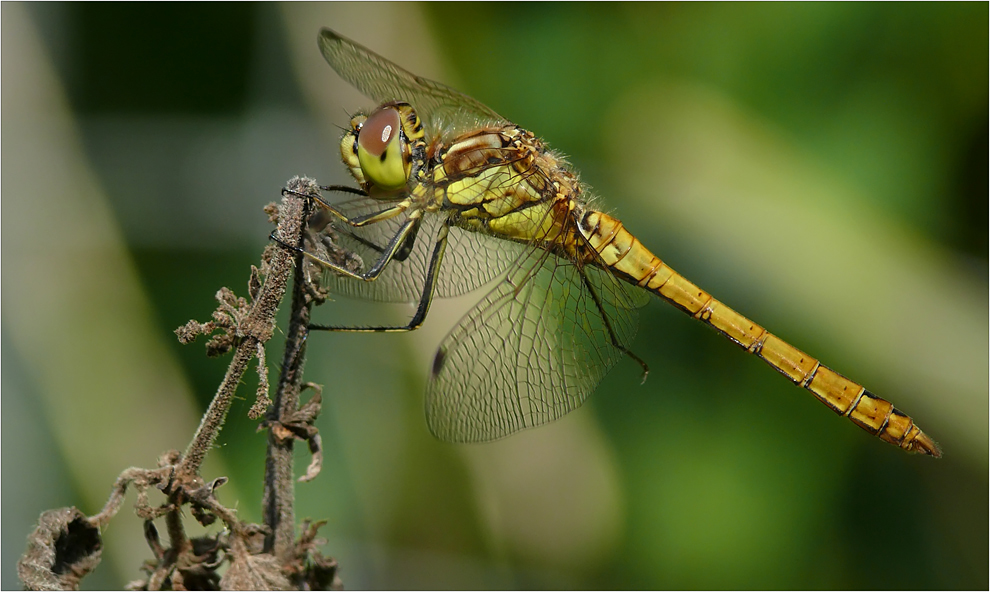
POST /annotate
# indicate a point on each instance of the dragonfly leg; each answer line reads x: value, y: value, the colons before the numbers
x: 319, y: 198
x: 408, y: 228
x: 333, y: 188
x: 611, y: 332
x: 385, y: 214
x: 400, y: 255
x: 425, y: 300
x: 400, y: 243
x: 344, y: 189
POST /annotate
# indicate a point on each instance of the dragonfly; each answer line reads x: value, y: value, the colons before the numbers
x: 452, y: 197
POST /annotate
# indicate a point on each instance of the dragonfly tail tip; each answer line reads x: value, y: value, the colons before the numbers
x: 925, y: 445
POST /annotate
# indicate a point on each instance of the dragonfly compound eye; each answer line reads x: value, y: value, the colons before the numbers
x: 382, y: 150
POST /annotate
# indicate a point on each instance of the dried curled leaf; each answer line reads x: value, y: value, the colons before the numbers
x: 301, y: 425
x: 254, y: 572
x: 227, y: 321
x: 61, y: 551
x: 200, y: 501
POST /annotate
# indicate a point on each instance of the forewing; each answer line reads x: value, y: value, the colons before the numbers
x: 442, y: 109
x: 471, y: 260
x: 532, y: 350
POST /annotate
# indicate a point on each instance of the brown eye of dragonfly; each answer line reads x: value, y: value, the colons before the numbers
x: 378, y: 131
x: 382, y: 150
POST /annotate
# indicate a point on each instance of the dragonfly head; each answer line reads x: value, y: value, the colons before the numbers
x: 377, y: 149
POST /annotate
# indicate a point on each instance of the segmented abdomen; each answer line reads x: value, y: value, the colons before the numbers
x: 626, y: 256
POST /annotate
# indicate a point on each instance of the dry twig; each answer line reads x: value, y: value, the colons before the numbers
x: 67, y: 544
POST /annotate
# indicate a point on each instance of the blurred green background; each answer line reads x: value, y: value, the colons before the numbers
x: 820, y: 167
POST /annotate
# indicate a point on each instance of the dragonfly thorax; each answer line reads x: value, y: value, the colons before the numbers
x: 504, y: 181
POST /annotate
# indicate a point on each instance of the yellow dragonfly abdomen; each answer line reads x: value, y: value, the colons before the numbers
x: 626, y: 256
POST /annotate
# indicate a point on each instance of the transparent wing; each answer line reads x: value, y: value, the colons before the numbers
x: 531, y: 351
x: 442, y: 109
x: 470, y: 261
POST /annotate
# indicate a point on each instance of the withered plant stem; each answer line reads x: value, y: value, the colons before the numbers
x: 257, y: 328
x: 278, y: 498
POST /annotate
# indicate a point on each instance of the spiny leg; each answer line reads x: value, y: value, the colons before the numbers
x: 608, y: 325
x: 401, y: 243
x: 425, y: 300
x: 399, y: 240
x: 400, y: 254
x: 359, y: 221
